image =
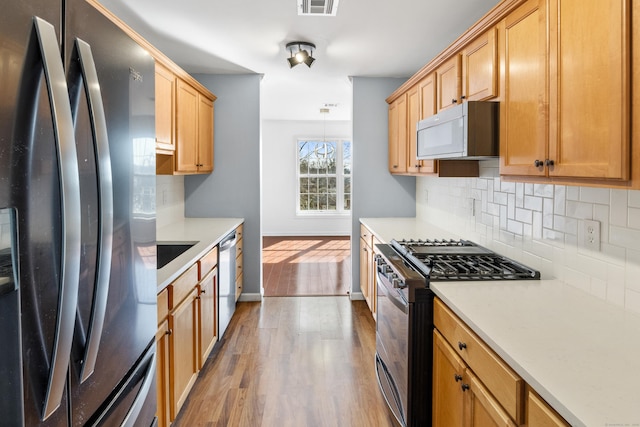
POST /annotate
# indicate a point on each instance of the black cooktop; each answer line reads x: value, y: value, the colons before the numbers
x: 443, y: 260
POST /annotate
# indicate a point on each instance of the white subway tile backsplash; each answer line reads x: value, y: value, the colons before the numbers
x: 538, y: 224
x: 595, y: 195
x: 634, y: 198
x: 618, y: 207
x: 633, y: 219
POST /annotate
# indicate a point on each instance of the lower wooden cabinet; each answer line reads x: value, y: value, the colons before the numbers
x: 163, y: 411
x: 207, y: 315
x: 239, y: 257
x: 540, y: 414
x: 368, y: 268
x: 183, y: 348
x: 459, y: 397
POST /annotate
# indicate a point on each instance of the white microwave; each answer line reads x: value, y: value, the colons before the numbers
x: 469, y: 130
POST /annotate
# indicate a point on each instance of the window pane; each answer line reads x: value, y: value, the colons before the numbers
x: 313, y: 185
x: 347, y: 202
x: 304, y: 185
x: 332, y: 202
x: 347, y: 185
x: 322, y: 185
x: 346, y: 157
x: 332, y: 185
x: 313, y: 202
x: 322, y: 202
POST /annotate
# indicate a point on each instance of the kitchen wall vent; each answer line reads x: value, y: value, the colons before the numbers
x: 318, y: 7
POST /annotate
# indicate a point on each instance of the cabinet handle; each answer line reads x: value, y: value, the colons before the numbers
x: 548, y: 162
x: 457, y: 377
x: 168, y: 332
x: 538, y: 163
x: 462, y: 345
x: 395, y: 166
x: 463, y: 97
x: 464, y: 387
x: 417, y: 166
x: 203, y: 291
x: 454, y: 101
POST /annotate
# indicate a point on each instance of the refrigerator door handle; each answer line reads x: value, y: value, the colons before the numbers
x: 47, y: 42
x: 138, y: 403
x: 105, y: 202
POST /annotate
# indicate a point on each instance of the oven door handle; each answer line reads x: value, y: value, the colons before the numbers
x: 394, y: 295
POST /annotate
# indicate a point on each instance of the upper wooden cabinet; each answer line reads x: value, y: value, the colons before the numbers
x: 567, y: 114
x: 398, y: 135
x: 448, y: 77
x: 523, y: 117
x: 480, y: 68
x: 165, y: 84
x: 192, y: 119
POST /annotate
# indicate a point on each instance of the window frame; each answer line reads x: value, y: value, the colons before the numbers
x: 339, y: 175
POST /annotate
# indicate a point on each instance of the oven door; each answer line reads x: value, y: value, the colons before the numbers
x: 392, y: 332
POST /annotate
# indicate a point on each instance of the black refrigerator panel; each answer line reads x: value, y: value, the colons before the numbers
x: 35, y: 143
x: 122, y: 139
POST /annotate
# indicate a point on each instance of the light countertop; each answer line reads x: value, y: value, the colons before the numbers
x: 580, y: 353
x: 206, y: 232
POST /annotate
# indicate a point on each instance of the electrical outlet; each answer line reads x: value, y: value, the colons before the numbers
x: 589, y: 235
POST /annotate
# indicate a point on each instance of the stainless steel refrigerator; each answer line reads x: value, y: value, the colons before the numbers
x: 77, y: 219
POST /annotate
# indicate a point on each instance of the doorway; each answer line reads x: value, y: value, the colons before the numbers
x: 306, y: 265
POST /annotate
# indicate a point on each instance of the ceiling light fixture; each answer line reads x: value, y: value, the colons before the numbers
x: 300, y: 52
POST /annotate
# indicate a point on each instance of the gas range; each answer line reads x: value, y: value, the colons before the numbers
x: 456, y: 260
x: 404, y: 303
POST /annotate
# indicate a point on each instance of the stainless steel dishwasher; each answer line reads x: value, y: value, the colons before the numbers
x: 226, y: 281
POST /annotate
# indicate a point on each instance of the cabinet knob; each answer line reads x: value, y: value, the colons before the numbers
x: 464, y: 387
x: 462, y: 345
x: 417, y: 166
x: 457, y: 377
x: 168, y: 332
x: 463, y: 97
x: 538, y: 163
x: 548, y: 162
x: 395, y: 166
x: 203, y: 291
x: 454, y: 101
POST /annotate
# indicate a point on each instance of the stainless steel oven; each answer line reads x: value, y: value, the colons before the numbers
x: 404, y: 328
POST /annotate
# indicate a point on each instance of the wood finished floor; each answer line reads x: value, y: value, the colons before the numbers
x: 306, y: 265
x: 303, y: 362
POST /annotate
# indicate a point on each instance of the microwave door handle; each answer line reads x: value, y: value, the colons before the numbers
x: 105, y: 201
x: 44, y: 42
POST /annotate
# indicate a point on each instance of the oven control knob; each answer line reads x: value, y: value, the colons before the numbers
x: 397, y: 283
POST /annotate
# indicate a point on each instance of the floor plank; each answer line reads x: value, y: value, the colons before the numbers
x: 306, y: 265
x: 305, y: 361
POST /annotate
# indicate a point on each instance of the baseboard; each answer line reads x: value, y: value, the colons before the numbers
x: 245, y: 297
x: 356, y: 296
x: 294, y: 234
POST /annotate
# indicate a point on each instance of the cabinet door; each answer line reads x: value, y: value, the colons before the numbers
x: 207, y: 315
x: 427, y: 87
x: 481, y: 408
x: 162, y: 375
x: 205, y: 134
x: 539, y: 414
x: 413, y: 116
x: 183, y: 343
x: 186, y: 127
x: 448, y: 83
x: 523, y: 116
x: 590, y: 90
x: 364, y: 270
x: 480, y: 68
x: 398, y: 135
x: 448, y: 397
x: 165, y: 84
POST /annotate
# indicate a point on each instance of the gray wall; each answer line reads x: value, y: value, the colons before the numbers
x: 377, y: 193
x: 233, y: 189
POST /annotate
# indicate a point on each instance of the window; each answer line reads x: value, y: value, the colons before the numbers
x: 324, y: 176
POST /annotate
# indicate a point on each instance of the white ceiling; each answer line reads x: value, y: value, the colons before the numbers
x: 369, y: 38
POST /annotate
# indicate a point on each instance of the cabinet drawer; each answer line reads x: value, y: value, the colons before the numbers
x: 539, y: 413
x: 366, y: 235
x: 504, y: 383
x: 184, y: 284
x: 207, y: 262
x: 163, y: 305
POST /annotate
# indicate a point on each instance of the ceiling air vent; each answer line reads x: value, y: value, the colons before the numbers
x: 318, y: 7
